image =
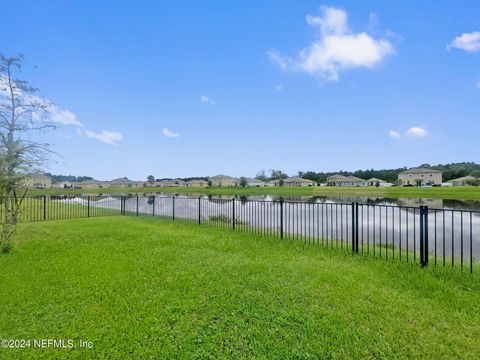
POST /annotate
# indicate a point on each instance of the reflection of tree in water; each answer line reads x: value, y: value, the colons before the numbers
x: 150, y: 200
x: 462, y: 204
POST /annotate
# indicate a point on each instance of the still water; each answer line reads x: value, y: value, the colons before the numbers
x: 454, y: 230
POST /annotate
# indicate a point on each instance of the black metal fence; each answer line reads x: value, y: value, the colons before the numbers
x: 440, y: 237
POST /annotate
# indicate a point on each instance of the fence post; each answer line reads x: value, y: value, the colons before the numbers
x: 281, y: 218
x: 153, y: 206
x: 199, y: 206
x: 137, y: 206
x: 44, y: 207
x: 233, y: 213
x: 88, y: 206
x: 173, y: 207
x: 353, y: 227
x: 424, y: 236
x: 356, y: 227
x: 425, y: 223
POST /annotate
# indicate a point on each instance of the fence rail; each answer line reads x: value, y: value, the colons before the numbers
x: 439, y: 237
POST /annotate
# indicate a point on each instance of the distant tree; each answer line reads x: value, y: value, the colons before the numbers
x: 475, y: 173
x: 151, y: 179
x: 243, y: 181
x: 262, y: 176
x: 475, y: 182
x: 22, y: 114
x: 277, y: 175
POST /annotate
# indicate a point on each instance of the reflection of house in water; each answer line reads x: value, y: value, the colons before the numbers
x: 433, y: 203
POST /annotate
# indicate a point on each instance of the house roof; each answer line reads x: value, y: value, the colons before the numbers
x: 464, y: 178
x: 297, y: 179
x: 123, y: 180
x: 337, y: 176
x: 354, y: 178
x: 376, y: 179
x: 345, y: 178
x: 254, y: 180
x: 220, y: 176
x: 420, y: 171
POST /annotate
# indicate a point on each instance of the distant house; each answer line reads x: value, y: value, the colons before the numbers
x: 298, y: 181
x: 272, y: 183
x: 170, y: 183
x: 341, y: 180
x: 223, y: 181
x: 255, y: 183
x: 420, y: 177
x: 463, y: 181
x: 377, y: 182
x: 63, y: 185
x: 122, y: 183
x: 196, y: 183
x: 91, y: 184
x: 37, y: 181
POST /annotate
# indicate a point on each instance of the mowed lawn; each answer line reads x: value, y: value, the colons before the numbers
x: 150, y: 288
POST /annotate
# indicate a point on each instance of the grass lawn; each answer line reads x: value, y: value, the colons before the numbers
x: 151, y: 288
x: 452, y: 193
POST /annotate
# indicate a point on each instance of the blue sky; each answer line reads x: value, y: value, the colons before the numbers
x: 178, y: 89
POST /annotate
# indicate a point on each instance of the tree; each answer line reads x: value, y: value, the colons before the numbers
x: 277, y: 175
x: 476, y: 173
x: 151, y: 179
x: 243, y: 181
x: 262, y: 176
x: 23, y: 113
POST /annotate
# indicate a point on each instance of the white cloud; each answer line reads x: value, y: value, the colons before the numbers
x: 279, y: 88
x: 107, y: 137
x: 470, y: 42
x: 205, y: 100
x: 417, y: 132
x: 48, y: 109
x: 394, y: 134
x: 338, y: 48
x: 64, y: 117
x: 169, y: 133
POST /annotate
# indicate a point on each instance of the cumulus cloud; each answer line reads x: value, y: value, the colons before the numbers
x: 64, y: 117
x: 105, y: 136
x: 50, y: 110
x: 417, y: 132
x: 168, y: 133
x: 470, y: 42
x: 337, y: 48
x: 394, y: 134
x: 205, y: 100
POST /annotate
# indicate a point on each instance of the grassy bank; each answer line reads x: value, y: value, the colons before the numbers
x: 151, y: 288
x: 452, y: 193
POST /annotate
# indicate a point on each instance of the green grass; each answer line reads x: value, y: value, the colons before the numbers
x: 151, y: 288
x: 451, y: 193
